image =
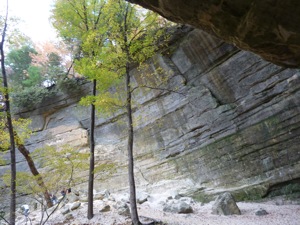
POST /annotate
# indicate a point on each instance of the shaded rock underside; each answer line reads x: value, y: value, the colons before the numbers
x: 268, y: 28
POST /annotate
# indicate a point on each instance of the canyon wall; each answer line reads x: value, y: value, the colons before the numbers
x: 225, y: 120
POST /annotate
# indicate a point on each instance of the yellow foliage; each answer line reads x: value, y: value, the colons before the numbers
x: 21, y: 127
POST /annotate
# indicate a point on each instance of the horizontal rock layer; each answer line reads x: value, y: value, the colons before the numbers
x: 225, y: 120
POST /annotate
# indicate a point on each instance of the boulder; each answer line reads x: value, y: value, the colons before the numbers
x: 104, y: 208
x: 65, y: 210
x: 141, y: 197
x: 261, y: 212
x: 225, y: 205
x: 177, y: 206
x: 111, y: 198
x: 75, y: 205
x: 106, y: 193
x: 122, y: 208
x: 99, y: 196
x: 173, y: 194
x: 125, y: 198
x: 71, y: 197
x: 53, y: 208
x: 68, y: 217
x: 188, y: 200
x: 83, y: 198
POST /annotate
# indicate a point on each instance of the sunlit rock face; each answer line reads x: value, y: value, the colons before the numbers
x: 268, y: 28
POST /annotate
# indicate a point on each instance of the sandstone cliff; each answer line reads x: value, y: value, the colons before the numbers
x: 232, y: 122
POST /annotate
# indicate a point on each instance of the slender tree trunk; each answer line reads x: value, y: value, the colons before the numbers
x: 92, y: 158
x: 133, y: 207
x: 12, y: 218
x: 34, y: 171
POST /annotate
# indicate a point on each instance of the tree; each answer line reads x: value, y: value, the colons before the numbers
x: 19, y: 60
x: 33, y: 77
x: 54, y: 61
x: 21, y: 128
x: 33, y: 73
x: 134, y: 37
x: 90, y: 213
x: 14, y: 37
x: 25, y: 78
x: 80, y: 23
x: 62, y: 167
x: 128, y: 36
x: 33, y: 68
x: 10, y: 126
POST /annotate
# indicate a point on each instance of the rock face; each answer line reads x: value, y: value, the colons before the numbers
x: 230, y: 123
x: 267, y: 28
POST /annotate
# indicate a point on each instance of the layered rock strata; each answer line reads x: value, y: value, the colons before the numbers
x: 225, y: 120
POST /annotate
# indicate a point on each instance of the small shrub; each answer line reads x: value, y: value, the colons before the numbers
x: 30, y: 97
x: 291, y: 189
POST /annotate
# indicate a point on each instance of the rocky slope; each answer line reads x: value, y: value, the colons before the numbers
x: 267, y: 28
x: 228, y: 121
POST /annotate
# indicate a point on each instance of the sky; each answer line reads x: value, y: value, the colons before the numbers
x: 35, y: 14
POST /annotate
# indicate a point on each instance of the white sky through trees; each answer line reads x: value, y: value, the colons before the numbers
x: 35, y: 16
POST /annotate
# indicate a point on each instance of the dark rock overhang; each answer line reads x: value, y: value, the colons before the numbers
x: 268, y: 28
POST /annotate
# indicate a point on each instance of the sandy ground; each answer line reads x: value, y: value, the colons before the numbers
x: 282, y: 214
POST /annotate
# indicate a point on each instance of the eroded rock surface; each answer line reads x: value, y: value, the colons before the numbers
x: 231, y: 122
x: 267, y: 28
